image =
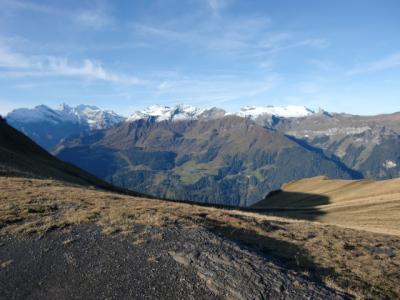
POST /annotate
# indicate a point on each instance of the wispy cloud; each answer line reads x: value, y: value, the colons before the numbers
x: 13, y: 5
x: 216, y: 90
x: 318, y: 43
x: 13, y: 60
x: 249, y: 37
x: 94, y: 17
x: 14, y: 64
x: 389, y: 62
x: 217, y: 5
x: 89, y: 69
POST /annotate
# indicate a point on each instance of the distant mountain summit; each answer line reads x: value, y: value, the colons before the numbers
x: 159, y: 113
x: 269, y: 116
x: 290, y: 111
x: 48, y: 126
x: 87, y: 115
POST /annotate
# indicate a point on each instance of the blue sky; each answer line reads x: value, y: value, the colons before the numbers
x: 341, y: 55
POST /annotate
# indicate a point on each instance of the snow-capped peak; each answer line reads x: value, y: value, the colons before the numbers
x: 97, y: 118
x: 64, y: 107
x: 160, y: 113
x: 37, y: 114
x: 91, y: 116
x: 289, y: 111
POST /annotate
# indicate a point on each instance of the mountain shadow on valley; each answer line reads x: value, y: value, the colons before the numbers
x: 353, y: 173
x: 294, y: 205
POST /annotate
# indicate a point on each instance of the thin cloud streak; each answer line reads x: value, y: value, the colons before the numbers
x: 216, y: 90
x: 19, y: 65
x: 95, y: 17
x: 255, y: 39
x: 389, y: 62
x: 217, y: 5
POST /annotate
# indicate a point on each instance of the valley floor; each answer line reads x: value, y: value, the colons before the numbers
x: 65, y: 241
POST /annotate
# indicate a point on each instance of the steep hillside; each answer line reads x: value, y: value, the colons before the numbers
x: 367, y: 144
x: 363, y: 204
x: 228, y: 160
x: 20, y: 156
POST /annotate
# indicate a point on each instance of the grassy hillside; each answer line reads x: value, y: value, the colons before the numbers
x: 361, y: 263
x: 364, y: 204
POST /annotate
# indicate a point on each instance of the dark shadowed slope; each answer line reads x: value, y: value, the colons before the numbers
x: 20, y: 156
x: 363, y: 204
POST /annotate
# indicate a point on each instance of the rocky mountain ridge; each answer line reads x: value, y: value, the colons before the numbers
x: 367, y: 144
x: 48, y: 126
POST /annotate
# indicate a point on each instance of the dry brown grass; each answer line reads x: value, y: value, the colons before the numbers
x: 361, y: 204
x: 360, y: 262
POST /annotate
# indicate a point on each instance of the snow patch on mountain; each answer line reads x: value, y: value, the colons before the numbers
x: 389, y: 164
x: 37, y: 114
x: 95, y: 118
x: 92, y: 116
x: 160, y: 113
x: 290, y: 111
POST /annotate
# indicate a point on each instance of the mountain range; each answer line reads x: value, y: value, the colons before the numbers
x: 47, y: 126
x: 210, y: 155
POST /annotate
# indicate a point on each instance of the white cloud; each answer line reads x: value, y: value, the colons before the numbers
x: 19, y: 65
x: 95, y: 17
x: 214, y: 90
x: 217, y: 5
x: 389, y: 62
x: 89, y: 69
x: 8, y: 5
x: 10, y: 59
x: 266, y: 65
x: 246, y: 37
x: 293, y: 43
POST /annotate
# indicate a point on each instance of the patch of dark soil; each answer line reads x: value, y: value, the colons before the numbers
x: 80, y: 262
x: 83, y: 263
